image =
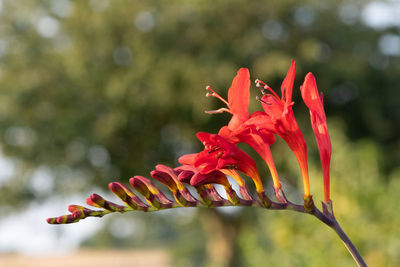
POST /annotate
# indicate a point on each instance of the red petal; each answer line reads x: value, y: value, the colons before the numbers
x: 187, y: 159
x: 287, y: 84
x: 206, y: 162
x: 239, y: 97
x: 205, y: 138
x: 311, y: 97
x: 260, y: 120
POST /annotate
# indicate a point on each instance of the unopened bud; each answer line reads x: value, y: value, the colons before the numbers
x: 127, y: 196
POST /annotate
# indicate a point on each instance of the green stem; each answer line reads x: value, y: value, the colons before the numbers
x: 332, y: 223
x: 349, y: 245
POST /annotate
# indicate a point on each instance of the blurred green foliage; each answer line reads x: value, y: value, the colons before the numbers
x: 98, y: 91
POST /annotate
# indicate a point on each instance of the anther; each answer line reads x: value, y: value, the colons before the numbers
x: 214, y: 94
x: 262, y: 101
x: 265, y: 87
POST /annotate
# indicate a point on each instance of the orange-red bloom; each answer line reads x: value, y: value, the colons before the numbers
x: 314, y: 102
x: 219, y: 154
x: 278, y: 118
x: 236, y: 131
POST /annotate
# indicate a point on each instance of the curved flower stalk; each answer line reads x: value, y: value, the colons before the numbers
x: 192, y: 184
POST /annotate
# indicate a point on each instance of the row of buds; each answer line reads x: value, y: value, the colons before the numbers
x: 152, y: 198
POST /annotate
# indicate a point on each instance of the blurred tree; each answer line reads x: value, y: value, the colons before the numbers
x: 97, y: 91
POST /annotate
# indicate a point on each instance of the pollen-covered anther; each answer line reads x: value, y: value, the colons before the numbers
x: 260, y: 100
x: 260, y: 84
x: 214, y: 94
x: 263, y: 86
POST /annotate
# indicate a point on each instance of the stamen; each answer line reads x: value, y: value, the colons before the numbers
x: 214, y: 94
x: 260, y: 83
x: 216, y: 148
x: 262, y: 101
x: 210, y: 149
x: 218, y: 111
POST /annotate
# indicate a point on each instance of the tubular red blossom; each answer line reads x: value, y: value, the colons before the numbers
x: 220, y: 154
x: 314, y: 102
x: 278, y: 118
x: 236, y: 131
x: 260, y: 140
x: 238, y: 98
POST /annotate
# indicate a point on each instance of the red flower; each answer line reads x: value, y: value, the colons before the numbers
x: 219, y: 154
x: 314, y: 102
x: 236, y: 131
x: 279, y: 119
x: 238, y: 99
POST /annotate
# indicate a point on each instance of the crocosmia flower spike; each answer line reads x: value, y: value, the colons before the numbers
x: 221, y: 159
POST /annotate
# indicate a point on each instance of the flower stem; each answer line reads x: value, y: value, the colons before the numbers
x: 329, y: 220
x: 332, y: 223
x: 349, y: 245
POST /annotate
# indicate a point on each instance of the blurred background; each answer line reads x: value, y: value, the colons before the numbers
x: 99, y: 91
